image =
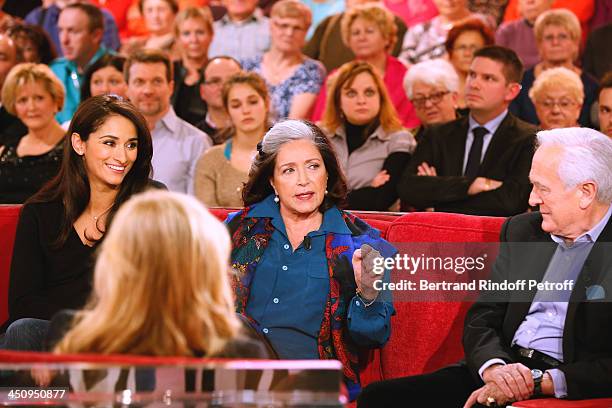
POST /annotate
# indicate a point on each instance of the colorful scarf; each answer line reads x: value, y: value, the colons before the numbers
x: 250, y: 238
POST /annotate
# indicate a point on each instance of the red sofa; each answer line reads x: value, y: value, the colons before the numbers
x: 421, y: 340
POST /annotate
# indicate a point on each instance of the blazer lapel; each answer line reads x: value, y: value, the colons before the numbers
x: 455, y: 145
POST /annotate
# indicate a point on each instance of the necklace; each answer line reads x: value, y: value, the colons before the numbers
x: 95, y: 217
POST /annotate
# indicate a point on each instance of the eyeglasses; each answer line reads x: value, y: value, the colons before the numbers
x: 551, y: 38
x: 434, y: 98
x: 562, y: 104
x: 214, y: 82
x: 463, y: 48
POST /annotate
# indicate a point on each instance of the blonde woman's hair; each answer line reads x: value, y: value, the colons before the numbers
x: 372, y: 12
x: 292, y: 9
x: 344, y: 77
x: 161, y: 284
x: 558, y: 78
x: 202, y: 13
x: 26, y: 73
x: 560, y: 18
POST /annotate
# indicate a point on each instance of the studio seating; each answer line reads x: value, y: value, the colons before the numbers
x: 425, y: 335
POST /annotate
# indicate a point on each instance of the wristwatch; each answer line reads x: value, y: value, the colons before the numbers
x: 537, y: 375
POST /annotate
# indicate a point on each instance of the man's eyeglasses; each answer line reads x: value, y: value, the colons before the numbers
x: 562, y: 104
x: 434, y: 98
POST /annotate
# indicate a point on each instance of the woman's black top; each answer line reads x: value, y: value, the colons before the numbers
x: 21, y: 177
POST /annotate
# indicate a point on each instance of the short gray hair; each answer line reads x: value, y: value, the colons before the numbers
x: 286, y: 131
x: 587, y: 156
x: 558, y: 78
x: 432, y: 72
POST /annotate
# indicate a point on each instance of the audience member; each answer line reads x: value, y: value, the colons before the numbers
x: 597, y: 58
x: 243, y: 33
x: 293, y: 79
x: 602, y: 14
x: 194, y: 32
x: 288, y: 284
x: 433, y: 88
x: 369, y: 31
x: 106, y: 159
x: 427, y: 40
x: 47, y: 17
x: 7, y: 20
x: 33, y: 94
x: 80, y: 29
x: 477, y: 164
x: 321, y: 9
x: 216, y: 73
x: 33, y: 44
x: 159, y: 21
x: 327, y: 44
x: 463, y: 40
x: 538, y: 343
x: 104, y: 77
x: 372, y: 147
x: 557, y: 95
x: 119, y: 9
x: 518, y: 35
x: 11, y: 128
x: 177, y: 144
x: 605, y: 104
x: 493, y: 9
x: 557, y: 34
x: 223, y: 170
x: 183, y: 302
x: 412, y: 12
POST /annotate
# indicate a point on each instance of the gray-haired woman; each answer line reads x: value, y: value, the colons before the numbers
x: 298, y: 257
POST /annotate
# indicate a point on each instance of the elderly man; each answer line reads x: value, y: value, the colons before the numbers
x: 605, y: 104
x: 177, y: 145
x: 11, y: 127
x: 216, y: 73
x: 81, y: 26
x: 243, y: 33
x: 555, y: 344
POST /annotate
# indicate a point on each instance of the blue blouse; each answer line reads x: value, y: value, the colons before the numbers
x: 290, y: 288
x: 307, y: 78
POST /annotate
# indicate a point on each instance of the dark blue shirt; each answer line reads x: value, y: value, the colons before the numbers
x: 290, y: 288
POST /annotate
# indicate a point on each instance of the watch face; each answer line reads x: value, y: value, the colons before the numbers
x: 537, y: 374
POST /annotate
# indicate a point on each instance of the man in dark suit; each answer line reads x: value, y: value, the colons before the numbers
x: 476, y: 164
x: 538, y: 342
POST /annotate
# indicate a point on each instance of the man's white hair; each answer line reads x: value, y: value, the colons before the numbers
x: 587, y: 156
x: 432, y: 72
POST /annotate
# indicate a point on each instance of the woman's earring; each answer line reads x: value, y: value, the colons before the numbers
x: 326, y: 192
x: 276, y: 199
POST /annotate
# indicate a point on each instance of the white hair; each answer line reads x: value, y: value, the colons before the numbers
x: 432, y: 72
x: 587, y: 156
x: 286, y: 131
x: 558, y: 78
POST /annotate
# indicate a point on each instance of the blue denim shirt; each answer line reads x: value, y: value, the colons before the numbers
x: 290, y: 288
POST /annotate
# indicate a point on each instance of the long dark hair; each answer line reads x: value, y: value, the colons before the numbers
x: 115, y: 61
x: 71, y: 185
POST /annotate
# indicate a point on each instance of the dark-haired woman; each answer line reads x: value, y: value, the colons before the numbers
x: 106, y: 159
x: 33, y: 43
x: 104, y: 77
x: 298, y: 258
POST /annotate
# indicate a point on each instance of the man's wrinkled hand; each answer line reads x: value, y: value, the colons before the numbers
x: 514, y: 380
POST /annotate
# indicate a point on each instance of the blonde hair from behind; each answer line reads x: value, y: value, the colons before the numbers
x: 344, y: 77
x: 161, y: 284
x: 26, y: 73
x: 374, y: 13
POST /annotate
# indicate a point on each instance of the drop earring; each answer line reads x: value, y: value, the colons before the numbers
x: 276, y: 199
x: 326, y: 192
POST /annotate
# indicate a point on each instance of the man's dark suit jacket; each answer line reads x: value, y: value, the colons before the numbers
x: 507, y: 159
x: 587, y: 336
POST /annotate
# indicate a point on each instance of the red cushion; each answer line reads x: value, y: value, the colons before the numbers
x: 427, y: 335
x: 9, y: 215
x: 556, y: 403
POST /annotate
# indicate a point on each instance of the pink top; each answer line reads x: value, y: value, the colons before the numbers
x: 412, y: 11
x: 393, y: 79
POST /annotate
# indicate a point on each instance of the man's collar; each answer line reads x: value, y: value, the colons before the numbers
x: 591, y: 235
x: 170, y: 121
x: 256, y: 17
x: 491, y: 125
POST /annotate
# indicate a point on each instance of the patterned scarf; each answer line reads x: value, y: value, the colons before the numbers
x: 250, y: 238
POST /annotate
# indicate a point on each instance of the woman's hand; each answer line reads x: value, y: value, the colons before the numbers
x: 380, y: 179
x: 365, y: 276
